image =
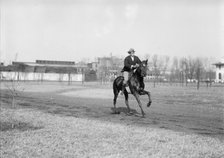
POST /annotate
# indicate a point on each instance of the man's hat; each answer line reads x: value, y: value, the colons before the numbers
x: 131, y: 50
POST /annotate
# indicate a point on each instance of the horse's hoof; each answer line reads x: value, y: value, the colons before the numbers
x: 148, y: 105
x: 130, y: 113
x: 117, y: 112
x: 143, y: 114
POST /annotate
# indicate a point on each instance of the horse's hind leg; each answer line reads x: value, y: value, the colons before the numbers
x: 116, y: 92
x: 126, y: 100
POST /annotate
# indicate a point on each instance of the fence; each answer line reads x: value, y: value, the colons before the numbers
x: 34, y: 76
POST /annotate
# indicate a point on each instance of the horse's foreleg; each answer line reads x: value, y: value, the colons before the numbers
x: 139, y: 103
x: 149, y: 96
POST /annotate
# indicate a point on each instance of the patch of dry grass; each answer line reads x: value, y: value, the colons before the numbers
x: 60, y: 136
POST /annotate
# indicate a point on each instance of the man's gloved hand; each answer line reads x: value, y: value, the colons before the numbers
x: 134, y: 66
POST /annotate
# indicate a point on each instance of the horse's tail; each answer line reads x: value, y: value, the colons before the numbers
x: 117, y: 86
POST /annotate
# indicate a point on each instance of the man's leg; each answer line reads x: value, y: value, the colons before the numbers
x: 126, y: 75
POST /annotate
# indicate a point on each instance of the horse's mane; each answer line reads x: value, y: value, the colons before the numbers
x: 143, y: 64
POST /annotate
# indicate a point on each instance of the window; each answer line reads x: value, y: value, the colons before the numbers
x: 220, y: 76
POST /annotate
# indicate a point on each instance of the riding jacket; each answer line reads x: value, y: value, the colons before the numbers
x: 128, y: 62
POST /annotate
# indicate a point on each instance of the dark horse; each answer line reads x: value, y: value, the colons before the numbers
x: 135, y: 82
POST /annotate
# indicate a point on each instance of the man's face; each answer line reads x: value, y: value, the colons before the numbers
x: 132, y: 53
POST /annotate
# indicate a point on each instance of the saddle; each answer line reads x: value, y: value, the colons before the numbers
x: 141, y: 83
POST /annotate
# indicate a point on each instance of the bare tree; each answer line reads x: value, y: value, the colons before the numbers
x: 155, y: 67
x: 158, y: 67
x: 192, y: 67
x: 198, y: 73
x: 165, y: 61
x: 185, y: 69
x: 175, y: 71
x: 14, y: 89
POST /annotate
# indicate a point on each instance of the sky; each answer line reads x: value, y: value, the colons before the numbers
x: 82, y: 30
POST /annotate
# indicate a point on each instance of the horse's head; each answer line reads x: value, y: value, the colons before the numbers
x: 143, y: 68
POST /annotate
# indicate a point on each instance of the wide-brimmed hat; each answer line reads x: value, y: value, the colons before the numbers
x: 131, y: 50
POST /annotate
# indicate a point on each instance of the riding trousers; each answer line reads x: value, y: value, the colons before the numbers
x: 126, y: 76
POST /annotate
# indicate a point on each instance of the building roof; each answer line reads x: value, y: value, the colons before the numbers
x: 45, y: 66
x: 220, y: 63
x: 50, y: 64
x: 55, y: 62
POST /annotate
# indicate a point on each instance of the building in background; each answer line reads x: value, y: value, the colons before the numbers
x: 219, y: 71
x: 104, y: 69
x: 108, y: 68
x: 44, y: 70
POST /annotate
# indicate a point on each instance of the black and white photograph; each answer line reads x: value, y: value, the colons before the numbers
x: 111, y: 78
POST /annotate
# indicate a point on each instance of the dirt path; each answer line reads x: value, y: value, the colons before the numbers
x: 185, y: 111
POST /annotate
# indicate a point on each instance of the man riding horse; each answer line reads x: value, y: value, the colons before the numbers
x: 134, y: 72
x: 131, y: 62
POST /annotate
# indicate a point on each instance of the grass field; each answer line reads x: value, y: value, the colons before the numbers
x: 57, y: 120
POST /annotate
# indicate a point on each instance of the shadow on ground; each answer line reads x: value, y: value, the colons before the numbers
x: 21, y: 126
